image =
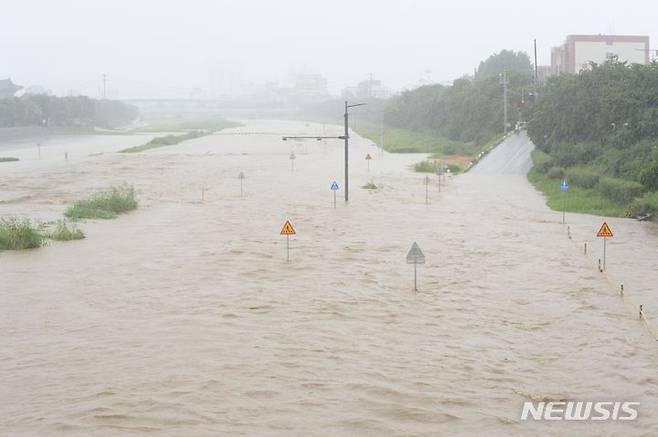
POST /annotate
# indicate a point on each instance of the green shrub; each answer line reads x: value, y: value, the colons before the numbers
x: 105, y: 204
x: 454, y: 168
x: 583, y: 177
x: 370, y: 186
x: 556, y: 173
x: 647, y: 204
x: 619, y: 190
x: 17, y: 234
x: 8, y: 159
x: 425, y: 166
x: 649, y: 175
x: 66, y: 232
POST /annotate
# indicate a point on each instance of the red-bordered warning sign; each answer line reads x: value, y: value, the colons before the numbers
x: 368, y: 157
x: 604, y: 231
x: 288, y: 229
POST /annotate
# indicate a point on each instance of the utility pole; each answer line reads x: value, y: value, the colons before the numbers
x: 347, y: 146
x: 347, y: 156
x: 505, y: 82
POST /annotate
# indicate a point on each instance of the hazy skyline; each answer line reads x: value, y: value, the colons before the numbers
x: 162, y: 48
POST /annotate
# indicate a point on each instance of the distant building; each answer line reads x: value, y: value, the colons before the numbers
x: 367, y: 89
x: 8, y: 88
x: 310, y: 87
x: 579, y: 51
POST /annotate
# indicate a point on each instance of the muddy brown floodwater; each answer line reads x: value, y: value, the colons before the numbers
x: 183, y: 317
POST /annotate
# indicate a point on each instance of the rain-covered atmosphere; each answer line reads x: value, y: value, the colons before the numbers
x: 328, y: 218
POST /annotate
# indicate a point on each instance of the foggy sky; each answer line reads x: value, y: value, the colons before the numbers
x: 161, y: 48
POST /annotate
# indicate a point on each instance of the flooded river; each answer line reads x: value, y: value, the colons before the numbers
x: 183, y: 318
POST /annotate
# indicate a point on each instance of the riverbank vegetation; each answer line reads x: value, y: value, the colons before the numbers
x: 207, y: 122
x: 599, y: 131
x: 106, y: 204
x: 64, y: 112
x: 168, y: 140
x: 65, y: 231
x: 8, y: 159
x: 20, y: 233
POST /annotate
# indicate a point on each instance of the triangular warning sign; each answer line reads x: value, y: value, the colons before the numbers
x: 415, y: 255
x: 368, y: 157
x: 287, y: 229
x: 605, y: 231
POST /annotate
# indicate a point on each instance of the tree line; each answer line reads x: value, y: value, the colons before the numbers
x: 600, y: 130
x: 471, y: 109
x: 44, y: 110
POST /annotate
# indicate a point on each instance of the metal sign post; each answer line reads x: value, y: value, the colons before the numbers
x: 564, y: 187
x: 427, y: 190
x: 604, y: 232
x: 439, y: 173
x: 415, y: 257
x: 288, y: 230
x: 368, y: 159
x: 241, y: 177
x: 292, y: 161
x: 334, y: 188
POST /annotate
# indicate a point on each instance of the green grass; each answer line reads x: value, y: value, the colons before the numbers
x: 577, y: 199
x: 104, y: 204
x: 8, y: 159
x: 169, y: 140
x: 20, y: 233
x: 410, y: 141
x: 66, y: 232
x: 176, y: 124
x: 426, y: 166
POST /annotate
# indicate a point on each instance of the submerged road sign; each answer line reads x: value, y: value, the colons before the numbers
x: 415, y: 257
x: 292, y: 161
x: 564, y: 186
x: 241, y: 177
x: 288, y: 230
x: 334, y: 188
x: 368, y: 159
x: 604, y: 232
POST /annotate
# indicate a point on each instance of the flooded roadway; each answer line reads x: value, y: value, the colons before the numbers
x: 183, y: 318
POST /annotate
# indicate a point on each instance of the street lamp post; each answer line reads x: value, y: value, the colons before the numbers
x: 347, y: 146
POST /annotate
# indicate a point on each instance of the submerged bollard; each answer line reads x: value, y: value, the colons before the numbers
x: 569, y: 232
x: 600, y: 270
x: 585, y: 249
x: 621, y: 289
x: 641, y: 313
